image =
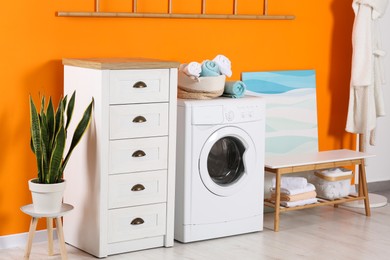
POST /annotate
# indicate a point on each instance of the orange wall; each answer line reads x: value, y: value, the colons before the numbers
x: 33, y: 42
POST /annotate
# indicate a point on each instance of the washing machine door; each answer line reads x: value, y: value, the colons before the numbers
x: 226, y: 159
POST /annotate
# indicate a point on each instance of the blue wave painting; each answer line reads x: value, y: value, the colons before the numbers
x: 291, y: 115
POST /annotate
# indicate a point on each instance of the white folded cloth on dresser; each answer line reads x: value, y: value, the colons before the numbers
x: 291, y: 182
x: 294, y: 191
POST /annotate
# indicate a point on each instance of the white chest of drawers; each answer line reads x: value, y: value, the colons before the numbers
x: 120, y: 178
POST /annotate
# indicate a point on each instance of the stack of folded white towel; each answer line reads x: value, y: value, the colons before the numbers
x: 294, y: 191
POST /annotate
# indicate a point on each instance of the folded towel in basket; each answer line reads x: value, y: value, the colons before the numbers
x: 225, y: 66
x: 309, y: 187
x: 209, y: 69
x: 234, y: 89
x: 335, y: 172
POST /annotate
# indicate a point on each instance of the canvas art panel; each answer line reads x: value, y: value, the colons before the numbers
x: 291, y: 110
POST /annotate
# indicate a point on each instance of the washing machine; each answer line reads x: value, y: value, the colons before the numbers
x: 219, y: 168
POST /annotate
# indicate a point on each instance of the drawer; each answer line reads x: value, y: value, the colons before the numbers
x: 136, y: 222
x: 129, y: 121
x: 132, y: 86
x: 137, y: 188
x: 141, y: 154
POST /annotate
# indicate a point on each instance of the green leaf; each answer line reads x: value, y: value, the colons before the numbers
x: 59, y: 117
x: 64, y: 101
x: 31, y: 145
x: 42, y: 104
x: 56, y: 157
x: 45, y: 142
x: 69, y: 111
x: 36, y: 136
x: 79, y: 131
x: 50, y: 124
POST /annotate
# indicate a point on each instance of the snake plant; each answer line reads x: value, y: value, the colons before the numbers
x: 49, y: 133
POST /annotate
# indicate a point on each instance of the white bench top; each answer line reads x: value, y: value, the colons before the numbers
x: 282, y: 161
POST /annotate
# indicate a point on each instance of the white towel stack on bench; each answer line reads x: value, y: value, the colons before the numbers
x: 294, y: 191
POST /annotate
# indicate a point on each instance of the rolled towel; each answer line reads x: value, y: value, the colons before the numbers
x: 191, y: 69
x: 225, y: 66
x: 291, y: 182
x: 309, y: 187
x: 209, y: 69
x: 234, y: 89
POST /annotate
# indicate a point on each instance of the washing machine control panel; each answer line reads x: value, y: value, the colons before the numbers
x: 244, y: 113
x: 226, y: 110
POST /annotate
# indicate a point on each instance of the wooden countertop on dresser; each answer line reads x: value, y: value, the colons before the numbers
x: 120, y: 63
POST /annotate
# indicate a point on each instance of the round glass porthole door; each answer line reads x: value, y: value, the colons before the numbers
x: 224, y: 161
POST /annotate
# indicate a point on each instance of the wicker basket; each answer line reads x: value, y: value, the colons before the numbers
x: 200, y: 88
x: 332, y: 187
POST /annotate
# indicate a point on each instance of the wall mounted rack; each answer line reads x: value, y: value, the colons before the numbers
x: 169, y: 14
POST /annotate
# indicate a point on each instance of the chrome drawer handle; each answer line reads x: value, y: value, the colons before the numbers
x: 140, y: 84
x: 138, y: 187
x: 137, y: 221
x: 139, y: 119
x: 139, y: 153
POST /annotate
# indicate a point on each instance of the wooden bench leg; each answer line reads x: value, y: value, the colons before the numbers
x: 277, y: 202
x: 60, y: 234
x: 31, y: 233
x: 360, y: 183
x: 363, y: 183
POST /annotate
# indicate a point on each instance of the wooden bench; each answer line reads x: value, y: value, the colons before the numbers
x: 282, y: 165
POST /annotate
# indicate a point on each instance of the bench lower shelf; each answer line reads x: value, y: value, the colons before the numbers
x: 321, y: 202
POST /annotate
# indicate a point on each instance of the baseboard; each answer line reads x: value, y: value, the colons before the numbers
x: 20, y: 240
x: 378, y: 186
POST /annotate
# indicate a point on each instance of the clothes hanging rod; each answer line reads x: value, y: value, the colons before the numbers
x: 177, y: 16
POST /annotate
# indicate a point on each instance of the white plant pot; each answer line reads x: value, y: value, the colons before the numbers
x: 47, y: 198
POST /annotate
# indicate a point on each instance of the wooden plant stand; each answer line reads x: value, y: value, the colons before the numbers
x: 29, y: 210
